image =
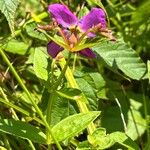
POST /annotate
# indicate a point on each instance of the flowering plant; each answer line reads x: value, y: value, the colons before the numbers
x: 53, y: 100
x: 74, y: 30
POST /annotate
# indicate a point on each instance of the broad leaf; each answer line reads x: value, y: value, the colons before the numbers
x: 61, y: 109
x: 124, y: 140
x: 97, y: 80
x: 16, y: 47
x: 120, y: 55
x: 100, y: 140
x: 95, y: 83
x: 72, y: 125
x: 22, y: 129
x: 31, y: 31
x: 8, y: 8
x: 112, y: 114
x: 88, y: 90
x: 140, y: 124
x: 41, y: 63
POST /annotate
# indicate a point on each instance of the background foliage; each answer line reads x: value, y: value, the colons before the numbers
x: 115, y: 84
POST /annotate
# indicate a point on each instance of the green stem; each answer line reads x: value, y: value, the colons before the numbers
x: 82, y: 99
x: 62, y: 73
x: 146, y: 113
x: 53, y: 96
x: 74, y: 62
x: 49, y: 112
x: 29, y: 96
x: 54, y: 88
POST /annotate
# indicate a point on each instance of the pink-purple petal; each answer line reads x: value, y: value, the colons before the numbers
x: 53, y: 49
x: 94, y: 17
x: 88, y: 53
x: 62, y: 15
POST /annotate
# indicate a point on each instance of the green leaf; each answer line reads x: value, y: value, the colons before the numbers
x: 16, y: 47
x: 30, y: 29
x: 124, y: 140
x: 147, y: 146
x: 95, y: 3
x: 88, y: 90
x: 22, y: 129
x: 57, y: 39
x: 95, y: 84
x: 8, y: 8
x: 100, y: 140
x: 41, y: 63
x: 142, y: 13
x: 140, y: 124
x: 97, y: 80
x: 72, y: 125
x: 85, y: 43
x: 61, y: 109
x: 112, y: 114
x: 83, y: 12
x: 83, y: 146
x: 119, y: 54
x: 2, y: 148
x: 69, y: 93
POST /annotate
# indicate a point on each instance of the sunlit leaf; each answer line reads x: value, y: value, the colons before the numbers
x: 8, y: 8
x: 88, y: 90
x: 31, y: 31
x: 72, y: 125
x: 137, y: 118
x: 22, y: 129
x: 124, y: 140
x: 16, y: 47
x: 85, y: 43
x: 61, y: 109
x: 41, y: 63
x: 100, y: 140
x: 119, y: 54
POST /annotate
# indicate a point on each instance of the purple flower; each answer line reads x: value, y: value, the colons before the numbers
x: 94, y: 17
x: 62, y: 15
x: 68, y: 21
